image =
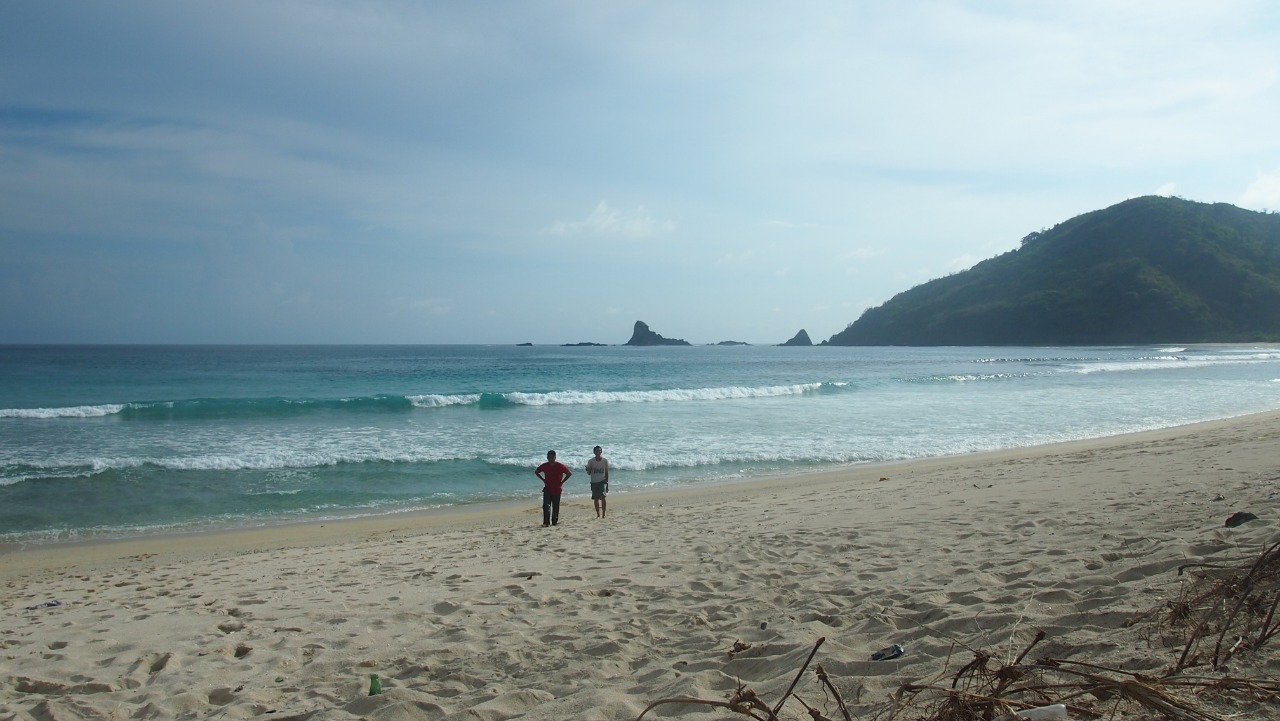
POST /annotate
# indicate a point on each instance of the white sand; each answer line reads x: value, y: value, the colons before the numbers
x: 483, y: 614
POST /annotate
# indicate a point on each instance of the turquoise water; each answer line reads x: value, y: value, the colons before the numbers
x: 108, y: 441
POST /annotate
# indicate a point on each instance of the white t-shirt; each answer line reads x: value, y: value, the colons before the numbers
x: 598, y: 469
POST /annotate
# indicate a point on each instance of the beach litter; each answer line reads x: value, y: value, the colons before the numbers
x: 886, y: 654
x: 47, y: 604
x: 1043, y: 713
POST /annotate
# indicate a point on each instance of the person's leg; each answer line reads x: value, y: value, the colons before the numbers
x: 546, y: 508
x: 555, y: 510
x: 604, y: 504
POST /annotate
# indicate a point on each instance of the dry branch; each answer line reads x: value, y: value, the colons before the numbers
x: 1235, y: 609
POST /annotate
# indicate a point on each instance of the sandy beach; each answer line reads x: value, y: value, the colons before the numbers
x: 480, y: 613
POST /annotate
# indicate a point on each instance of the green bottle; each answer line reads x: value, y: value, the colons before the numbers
x: 375, y: 686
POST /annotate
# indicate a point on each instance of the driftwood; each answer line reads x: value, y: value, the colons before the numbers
x: 1087, y: 690
x: 980, y: 691
x: 1232, y: 608
x: 831, y: 689
x: 1221, y: 612
x: 745, y: 701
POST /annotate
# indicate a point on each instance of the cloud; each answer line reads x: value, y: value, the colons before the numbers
x: 873, y: 140
x: 604, y: 220
x: 1263, y: 193
x: 1167, y: 190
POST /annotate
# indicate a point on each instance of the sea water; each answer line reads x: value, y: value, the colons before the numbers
x: 111, y: 441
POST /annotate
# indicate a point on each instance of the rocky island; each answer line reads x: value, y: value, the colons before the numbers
x: 801, y: 338
x: 644, y: 337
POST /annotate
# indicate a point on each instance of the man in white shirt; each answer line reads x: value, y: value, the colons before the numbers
x: 598, y: 470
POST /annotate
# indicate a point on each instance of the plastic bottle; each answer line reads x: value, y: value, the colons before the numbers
x: 375, y: 685
x: 885, y: 654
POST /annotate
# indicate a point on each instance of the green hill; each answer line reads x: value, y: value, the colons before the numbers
x: 1148, y: 270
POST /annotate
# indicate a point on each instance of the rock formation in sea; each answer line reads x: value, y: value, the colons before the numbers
x: 801, y: 338
x: 643, y: 336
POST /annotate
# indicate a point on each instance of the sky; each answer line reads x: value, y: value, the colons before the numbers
x: 387, y: 171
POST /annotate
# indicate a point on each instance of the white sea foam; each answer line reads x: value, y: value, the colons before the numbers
x: 560, y: 398
x: 690, y: 416
x: 658, y: 396
x: 71, y: 412
x: 251, y: 460
x: 1143, y: 364
x: 441, y: 401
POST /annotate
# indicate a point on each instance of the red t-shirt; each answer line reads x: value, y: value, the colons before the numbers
x: 553, y: 474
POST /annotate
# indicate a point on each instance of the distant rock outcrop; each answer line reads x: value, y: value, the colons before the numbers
x: 732, y: 342
x: 643, y: 336
x: 801, y: 338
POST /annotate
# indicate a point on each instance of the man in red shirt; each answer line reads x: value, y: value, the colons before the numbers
x: 553, y: 475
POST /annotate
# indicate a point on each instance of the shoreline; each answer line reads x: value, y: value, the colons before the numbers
x: 24, y: 556
x: 484, y: 614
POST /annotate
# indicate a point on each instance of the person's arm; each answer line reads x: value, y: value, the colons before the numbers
x: 567, y: 472
x: 606, y: 471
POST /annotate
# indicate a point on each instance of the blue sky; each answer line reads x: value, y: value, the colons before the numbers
x: 238, y: 171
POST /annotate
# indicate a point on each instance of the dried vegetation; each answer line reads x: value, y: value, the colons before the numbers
x: 1221, y: 613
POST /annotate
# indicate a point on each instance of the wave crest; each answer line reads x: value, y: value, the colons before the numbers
x: 658, y: 396
x: 259, y: 407
x: 71, y: 412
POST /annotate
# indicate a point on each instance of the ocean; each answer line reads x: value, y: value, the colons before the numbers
x: 117, y: 441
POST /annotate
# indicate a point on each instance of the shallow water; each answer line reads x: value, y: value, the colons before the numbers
x: 117, y: 440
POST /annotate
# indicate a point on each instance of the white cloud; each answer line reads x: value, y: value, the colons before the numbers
x: 919, y: 131
x: 1263, y: 193
x: 1167, y: 190
x: 604, y: 220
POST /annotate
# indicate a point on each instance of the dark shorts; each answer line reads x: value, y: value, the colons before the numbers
x: 598, y: 490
